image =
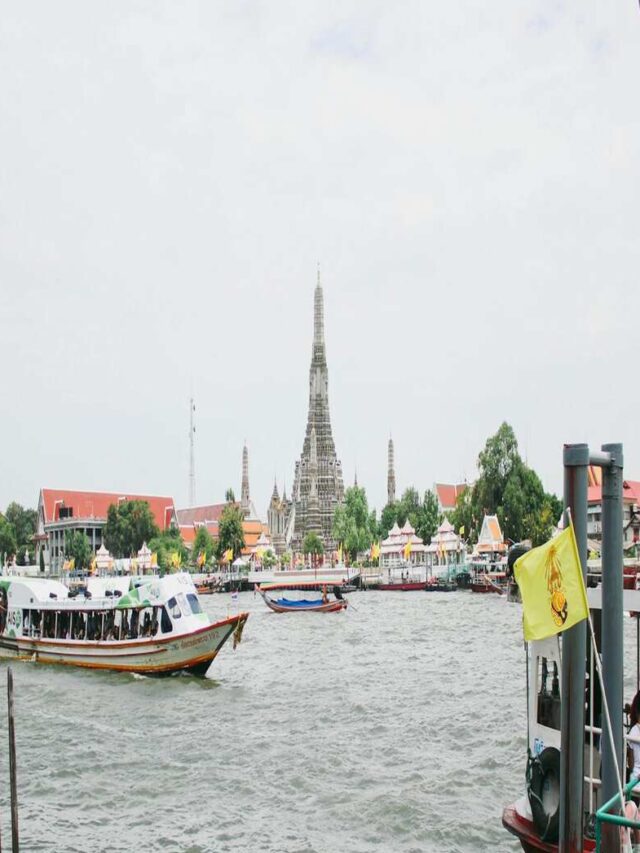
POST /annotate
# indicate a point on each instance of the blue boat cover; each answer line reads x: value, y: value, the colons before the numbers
x: 303, y: 602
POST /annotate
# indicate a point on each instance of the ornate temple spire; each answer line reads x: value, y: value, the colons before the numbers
x: 245, y: 500
x: 274, y: 494
x: 318, y: 485
x: 314, y: 523
x: 318, y: 314
x: 391, y: 475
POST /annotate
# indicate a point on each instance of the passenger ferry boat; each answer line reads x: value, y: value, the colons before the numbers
x: 151, y: 626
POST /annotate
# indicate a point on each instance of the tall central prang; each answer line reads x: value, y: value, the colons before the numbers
x: 317, y: 486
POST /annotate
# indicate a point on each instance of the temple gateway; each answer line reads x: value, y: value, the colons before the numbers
x: 317, y: 484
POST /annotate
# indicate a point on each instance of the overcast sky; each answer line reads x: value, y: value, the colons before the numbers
x: 171, y: 173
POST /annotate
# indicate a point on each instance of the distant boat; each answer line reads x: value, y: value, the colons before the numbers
x: 402, y: 586
x: 322, y: 604
x: 489, y: 582
x: 152, y: 626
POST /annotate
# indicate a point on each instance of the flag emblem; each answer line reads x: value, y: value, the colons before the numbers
x: 552, y: 587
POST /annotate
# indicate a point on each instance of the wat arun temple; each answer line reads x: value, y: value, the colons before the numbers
x: 317, y: 484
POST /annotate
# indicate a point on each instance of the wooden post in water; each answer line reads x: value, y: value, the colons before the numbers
x: 15, y: 844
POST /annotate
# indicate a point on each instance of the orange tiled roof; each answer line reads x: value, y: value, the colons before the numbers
x: 96, y: 504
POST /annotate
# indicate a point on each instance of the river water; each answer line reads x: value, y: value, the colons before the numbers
x: 399, y: 727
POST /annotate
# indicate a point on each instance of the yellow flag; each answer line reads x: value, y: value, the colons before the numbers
x: 72, y: 564
x: 553, y: 594
x: 202, y: 558
x: 228, y: 555
x: 461, y: 531
x: 375, y: 551
x: 339, y: 553
x: 407, y: 550
x: 154, y: 560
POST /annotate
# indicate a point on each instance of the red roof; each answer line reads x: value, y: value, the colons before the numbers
x: 448, y: 493
x: 200, y: 514
x: 630, y: 492
x: 188, y: 531
x: 251, y: 529
x: 95, y: 505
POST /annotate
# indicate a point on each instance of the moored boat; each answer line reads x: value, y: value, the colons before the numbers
x: 283, y: 604
x: 489, y: 582
x: 156, y: 627
x: 402, y: 586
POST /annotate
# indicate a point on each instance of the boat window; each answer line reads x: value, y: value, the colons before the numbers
x: 165, y: 621
x: 172, y: 604
x: 194, y: 602
x: 183, y: 604
x: 548, y: 693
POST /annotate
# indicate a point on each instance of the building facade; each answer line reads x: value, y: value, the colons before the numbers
x: 62, y: 511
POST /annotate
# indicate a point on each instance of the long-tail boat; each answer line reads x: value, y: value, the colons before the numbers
x: 329, y: 600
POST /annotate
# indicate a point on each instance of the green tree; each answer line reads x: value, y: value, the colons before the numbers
x: 229, y: 496
x: 78, y: 548
x: 204, y: 543
x: 41, y: 559
x: 508, y: 488
x: 8, y: 543
x: 129, y: 524
x: 465, y: 516
x: 230, y: 531
x: 429, y: 518
x: 388, y: 518
x: 269, y: 559
x: 312, y: 544
x: 496, y: 463
x: 409, y: 507
x: 166, y: 544
x: 24, y: 522
x: 351, y: 522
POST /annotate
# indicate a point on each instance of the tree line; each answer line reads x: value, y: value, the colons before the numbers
x: 506, y: 486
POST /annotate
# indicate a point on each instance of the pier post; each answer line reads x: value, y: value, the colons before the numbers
x: 574, y: 646
x: 15, y: 843
x: 612, y: 643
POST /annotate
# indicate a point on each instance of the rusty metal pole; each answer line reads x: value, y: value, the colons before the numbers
x: 574, y: 645
x: 612, y: 644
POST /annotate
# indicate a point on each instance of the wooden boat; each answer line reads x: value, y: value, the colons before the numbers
x: 208, y: 586
x: 155, y: 626
x: 402, y: 586
x: 314, y: 604
x: 489, y: 582
x: 440, y: 585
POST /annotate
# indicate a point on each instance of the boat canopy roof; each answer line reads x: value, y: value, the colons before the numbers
x: 146, y: 591
x: 302, y: 584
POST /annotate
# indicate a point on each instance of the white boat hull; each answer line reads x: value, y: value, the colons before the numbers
x: 191, y: 652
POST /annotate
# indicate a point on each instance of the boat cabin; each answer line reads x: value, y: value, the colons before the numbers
x: 122, y: 609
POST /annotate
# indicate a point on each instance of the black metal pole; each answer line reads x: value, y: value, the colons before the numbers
x: 15, y: 844
x: 574, y: 644
x: 612, y: 644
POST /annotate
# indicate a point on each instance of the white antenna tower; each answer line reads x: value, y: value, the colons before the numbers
x: 192, y: 461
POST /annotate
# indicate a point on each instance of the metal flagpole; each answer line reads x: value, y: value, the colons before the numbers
x: 612, y: 651
x: 574, y: 646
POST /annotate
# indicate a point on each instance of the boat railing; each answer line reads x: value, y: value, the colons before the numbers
x: 603, y: 814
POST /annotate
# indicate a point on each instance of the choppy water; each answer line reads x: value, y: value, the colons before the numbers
x: 399, y: 727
